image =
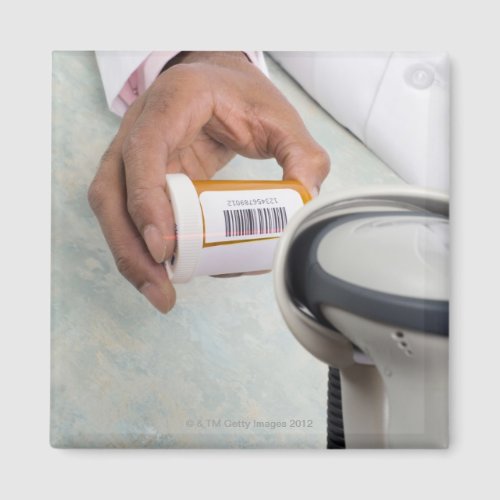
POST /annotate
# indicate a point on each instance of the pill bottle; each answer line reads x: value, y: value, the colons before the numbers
x: 225, y: 227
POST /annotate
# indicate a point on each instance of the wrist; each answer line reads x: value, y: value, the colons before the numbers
x: 222, y: 58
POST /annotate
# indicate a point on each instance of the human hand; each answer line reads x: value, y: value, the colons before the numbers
x: 193, y: 119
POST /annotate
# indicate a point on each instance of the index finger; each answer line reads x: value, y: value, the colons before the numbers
x: 301, y: 157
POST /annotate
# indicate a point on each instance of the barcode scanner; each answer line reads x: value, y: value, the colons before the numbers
x: 361, y: 279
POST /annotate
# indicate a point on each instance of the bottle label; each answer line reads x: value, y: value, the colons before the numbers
x: 245, y: 215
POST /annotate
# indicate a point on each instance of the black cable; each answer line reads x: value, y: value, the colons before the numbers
x: 335, y: 422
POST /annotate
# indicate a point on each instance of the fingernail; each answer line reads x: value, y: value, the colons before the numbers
x: 156, y: 297
x: 156, y: 244
x: 314, y: 192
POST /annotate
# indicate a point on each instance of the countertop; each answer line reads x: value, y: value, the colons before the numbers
x: 221, y: 369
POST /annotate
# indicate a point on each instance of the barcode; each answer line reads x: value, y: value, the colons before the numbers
x: 253, y: 221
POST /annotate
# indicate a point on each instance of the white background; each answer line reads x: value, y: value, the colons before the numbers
x: 29, y: 32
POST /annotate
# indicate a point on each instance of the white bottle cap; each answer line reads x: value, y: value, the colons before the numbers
x: 188, y: 228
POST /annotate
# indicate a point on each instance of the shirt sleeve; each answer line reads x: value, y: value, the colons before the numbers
x: 126, y: 75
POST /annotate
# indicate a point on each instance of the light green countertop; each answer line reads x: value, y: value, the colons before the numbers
x: 124, y: 375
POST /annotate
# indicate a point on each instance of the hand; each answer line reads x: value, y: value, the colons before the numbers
x: 194, y: 118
